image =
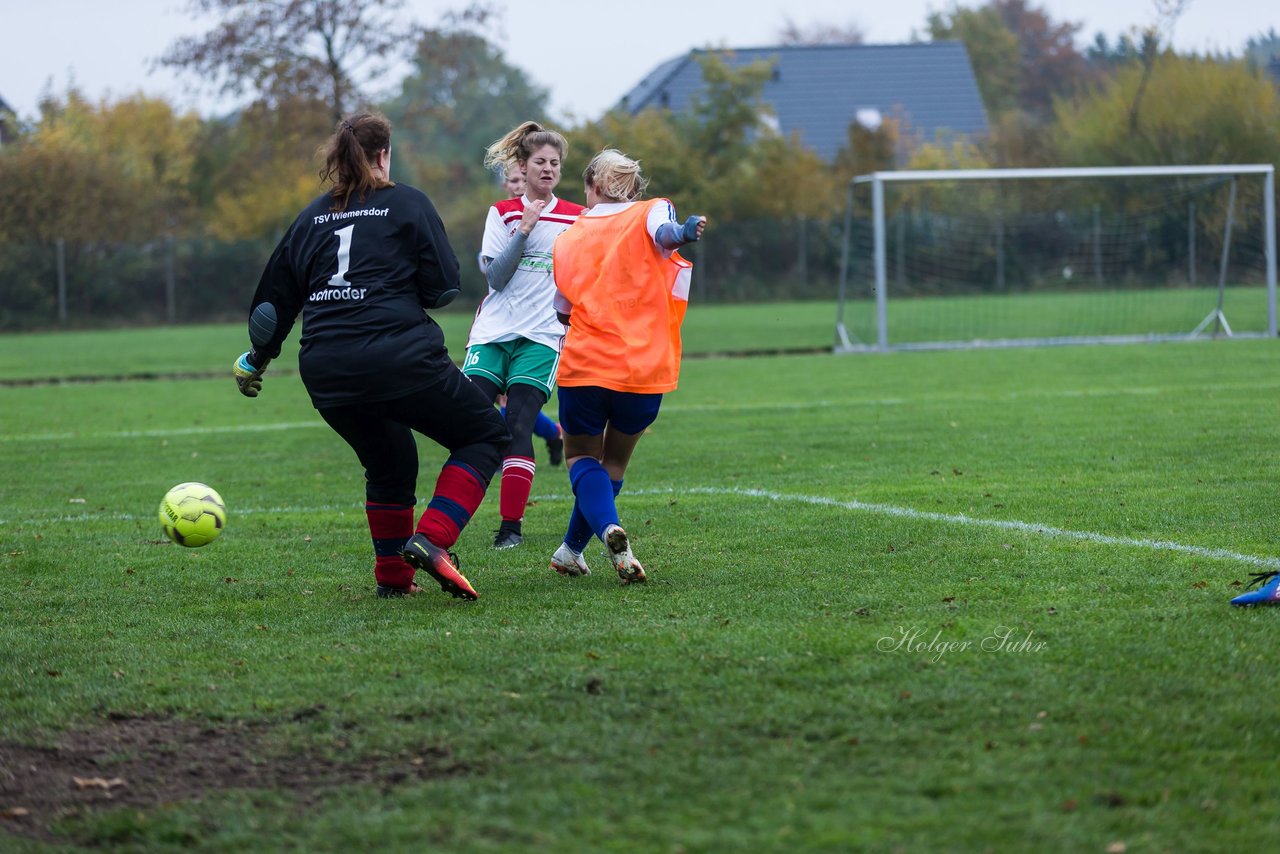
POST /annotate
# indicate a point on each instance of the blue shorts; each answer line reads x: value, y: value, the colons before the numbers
x: 585, y: 410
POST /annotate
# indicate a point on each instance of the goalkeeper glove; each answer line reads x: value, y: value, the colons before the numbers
x: 672, y: 236
x: 689, y: 232
x: 248, y: 377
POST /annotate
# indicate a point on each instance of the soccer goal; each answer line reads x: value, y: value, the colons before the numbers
x: 1012, y: 257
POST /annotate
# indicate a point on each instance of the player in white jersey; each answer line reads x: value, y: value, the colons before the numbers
x: 544, y: 427
x: 514, y: 347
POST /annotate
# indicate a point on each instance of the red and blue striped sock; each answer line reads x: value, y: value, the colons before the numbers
x: 459, y: 491
x: 390, y: 525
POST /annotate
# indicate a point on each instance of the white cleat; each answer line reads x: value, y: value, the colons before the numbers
x: 568, y: 562
x: 629, y: 569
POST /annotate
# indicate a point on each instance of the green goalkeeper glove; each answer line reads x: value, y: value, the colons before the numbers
x: 248, y: 377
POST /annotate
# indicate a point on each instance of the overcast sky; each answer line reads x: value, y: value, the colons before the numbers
x: 587, y: 53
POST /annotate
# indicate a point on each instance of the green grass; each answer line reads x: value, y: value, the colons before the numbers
x: 1051, y: 315
x: 722, y: 329
x: 190, y: 349
x: 798, y: 515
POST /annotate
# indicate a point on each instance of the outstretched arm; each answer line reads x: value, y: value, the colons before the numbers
x: 672, y: 236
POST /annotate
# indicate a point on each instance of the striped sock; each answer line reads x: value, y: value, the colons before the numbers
x: 459, y: 491
x: 390, y: 525
x: 517, y: 483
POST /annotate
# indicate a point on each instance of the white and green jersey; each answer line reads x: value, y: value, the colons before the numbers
x: 523, y: 309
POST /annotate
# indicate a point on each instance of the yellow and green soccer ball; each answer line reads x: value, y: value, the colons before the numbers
x: 192, y: 514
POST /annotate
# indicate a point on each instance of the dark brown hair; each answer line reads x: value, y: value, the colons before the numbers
x: 350, y: 155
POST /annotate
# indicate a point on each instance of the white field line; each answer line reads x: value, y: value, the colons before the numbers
x: 163, y: 434
x: 1031, y: 529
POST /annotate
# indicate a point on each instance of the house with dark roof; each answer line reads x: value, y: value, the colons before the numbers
x: 818, y: 90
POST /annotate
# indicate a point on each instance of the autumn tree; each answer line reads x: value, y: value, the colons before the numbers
x: 94, y: 172
x: 1021, y: 57
x: 1263, y: 49
x: 106, y: 187
x: 992, y: 48
x: 332, y: 52
x: 460, y: 96
x: 820, y: 34
x: 1196, y: 110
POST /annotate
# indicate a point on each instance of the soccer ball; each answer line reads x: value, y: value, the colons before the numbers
x: 192, y: 514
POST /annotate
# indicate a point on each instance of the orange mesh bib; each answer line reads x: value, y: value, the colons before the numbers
x: 628, y: 303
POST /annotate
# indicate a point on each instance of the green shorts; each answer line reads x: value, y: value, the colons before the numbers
x: 520, y: 360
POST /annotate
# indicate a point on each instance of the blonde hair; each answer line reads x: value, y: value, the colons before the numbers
x: 615, y: 176
x: 350, y: 154
x: 520, y: 144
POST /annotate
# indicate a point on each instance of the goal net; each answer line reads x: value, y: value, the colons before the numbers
x: 1005, y: 257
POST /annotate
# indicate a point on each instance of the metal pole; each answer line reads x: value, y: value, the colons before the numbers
x: 1226, y: 254
x: 61, y: 247
x: 1191, y: 243
x: 1097, y: 243
x: 900, y: 247
x: 842, y: 335
x: 1000, y: 249
x: 170, y: 289
x: 803, y: 250
x: 882, y: 297
x: 1269, y: 194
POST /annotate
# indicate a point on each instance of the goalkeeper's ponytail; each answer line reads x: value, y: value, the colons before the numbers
x: 350, y: 155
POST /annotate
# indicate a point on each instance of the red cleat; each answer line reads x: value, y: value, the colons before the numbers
x: 424, y: 555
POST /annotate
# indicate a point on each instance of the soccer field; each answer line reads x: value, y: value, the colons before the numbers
x: 957, y: 600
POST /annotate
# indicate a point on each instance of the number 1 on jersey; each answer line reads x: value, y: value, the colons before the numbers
x: 339, y: 278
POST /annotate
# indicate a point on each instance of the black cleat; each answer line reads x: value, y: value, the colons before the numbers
x: 386, y: 591
x: 507, y: 536
x: 555, y: 451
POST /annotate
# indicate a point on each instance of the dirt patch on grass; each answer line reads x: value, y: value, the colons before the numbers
x: 145, y: 762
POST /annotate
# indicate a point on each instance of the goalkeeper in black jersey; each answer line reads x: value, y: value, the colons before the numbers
x: 363, y: 263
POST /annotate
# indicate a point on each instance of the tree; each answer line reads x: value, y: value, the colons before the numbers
x: 993, y: 52
x: 460, y: 96
x: 819, y: 34
x: 1263, y: 48
x: 1020, y: 57
x: 1196, y: 110
x: 1049, y: 64
x: 262, y: 168
x: 104, y: 172
x: 327, y: 51
x: 867, y: 149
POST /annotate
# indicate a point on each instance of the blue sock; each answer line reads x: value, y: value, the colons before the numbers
x: 593, y: 495
x: 545, y: 428
x: 579, y: 533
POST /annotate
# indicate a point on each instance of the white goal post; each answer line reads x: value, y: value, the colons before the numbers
x: 1119, y: 250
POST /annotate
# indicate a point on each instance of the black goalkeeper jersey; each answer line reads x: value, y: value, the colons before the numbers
x: 361, y: 278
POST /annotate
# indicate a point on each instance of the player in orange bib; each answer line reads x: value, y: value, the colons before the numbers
x: 622, y: 289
